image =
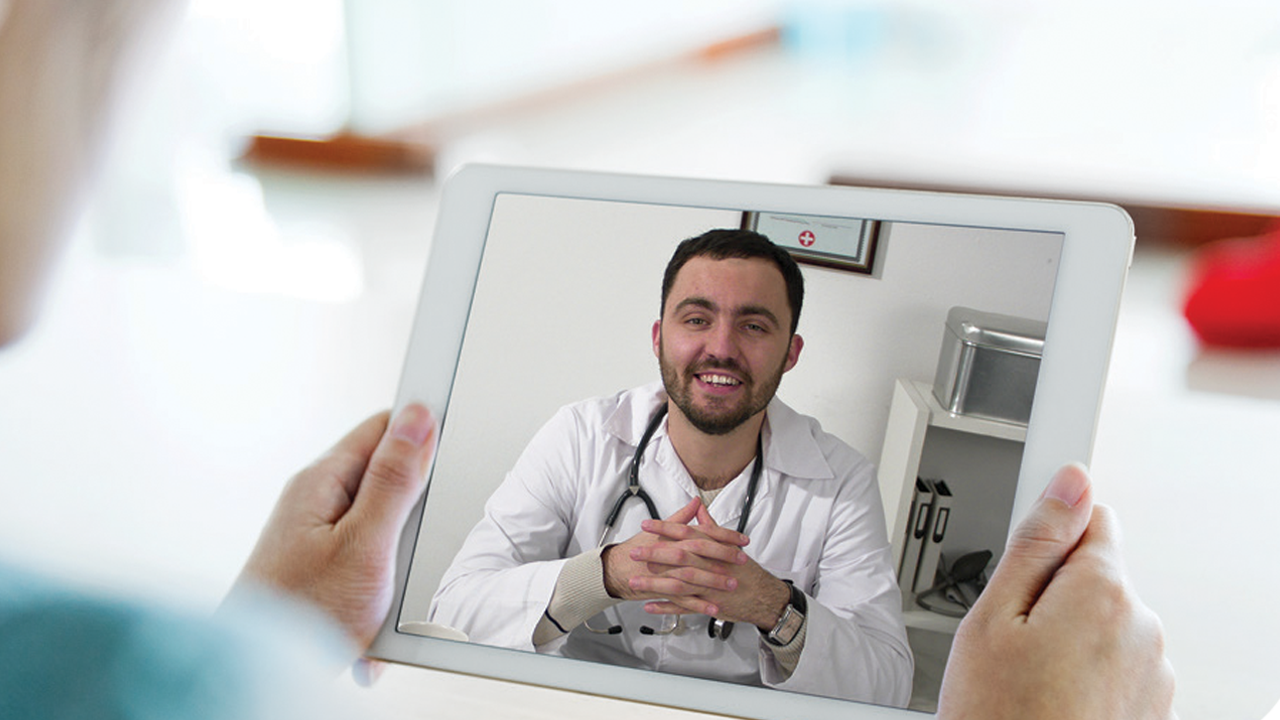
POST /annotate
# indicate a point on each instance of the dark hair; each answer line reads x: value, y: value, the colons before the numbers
x: 744, y: 244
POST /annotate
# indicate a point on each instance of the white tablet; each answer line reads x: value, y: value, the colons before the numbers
x: 957, y: 343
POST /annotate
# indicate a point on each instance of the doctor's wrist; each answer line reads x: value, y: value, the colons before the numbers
x: 773, y: 604
x: 615, y: 583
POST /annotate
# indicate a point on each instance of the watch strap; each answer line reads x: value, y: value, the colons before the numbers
x: 791, y: 620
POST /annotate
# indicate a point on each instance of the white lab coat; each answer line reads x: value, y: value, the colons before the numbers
x: 817, y: 520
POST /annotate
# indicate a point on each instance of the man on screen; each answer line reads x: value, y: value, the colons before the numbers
x: 698, y: 525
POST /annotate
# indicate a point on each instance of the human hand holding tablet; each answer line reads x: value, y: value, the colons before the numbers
x: 331, y: 538
x: 1058, y: 633
x: 935, y: 252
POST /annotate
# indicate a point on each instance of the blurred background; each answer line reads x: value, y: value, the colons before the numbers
x: 241, y: 292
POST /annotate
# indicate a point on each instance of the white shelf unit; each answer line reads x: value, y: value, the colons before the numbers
x: 979, y: 459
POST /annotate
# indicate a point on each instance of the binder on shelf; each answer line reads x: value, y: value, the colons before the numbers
x: 932, y: 543
x: 918, y: 523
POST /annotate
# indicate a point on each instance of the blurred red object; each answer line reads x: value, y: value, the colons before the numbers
x: 1234, y: 296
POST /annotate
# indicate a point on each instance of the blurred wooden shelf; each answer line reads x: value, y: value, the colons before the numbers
x: 1167, y: 224
x: 343, y: 152
x: 414, y: 148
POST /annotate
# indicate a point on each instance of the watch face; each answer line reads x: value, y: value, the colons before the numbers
x: 792, y: 618
x: 788, y: 625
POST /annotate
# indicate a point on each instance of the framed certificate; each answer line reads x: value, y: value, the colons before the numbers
x: 837, y: 242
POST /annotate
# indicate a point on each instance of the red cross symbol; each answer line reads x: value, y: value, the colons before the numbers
x: 807, y: 238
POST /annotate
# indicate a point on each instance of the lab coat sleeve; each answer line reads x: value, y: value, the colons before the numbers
x: 856, y: 642
x: 502, y: 579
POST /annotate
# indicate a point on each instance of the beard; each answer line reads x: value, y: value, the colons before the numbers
x: 716, y: 416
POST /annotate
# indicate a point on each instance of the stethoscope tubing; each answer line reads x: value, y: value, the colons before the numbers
x: 716, y: 628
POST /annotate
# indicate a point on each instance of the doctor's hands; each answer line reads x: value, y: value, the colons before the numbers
x: 737, y: 589
x: 1058, y: 633
x: 332, y: 537
x: 673, y: 557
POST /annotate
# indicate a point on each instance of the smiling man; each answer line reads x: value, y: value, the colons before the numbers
x: 699, y: 525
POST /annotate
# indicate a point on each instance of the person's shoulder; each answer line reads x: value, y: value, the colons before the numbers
x: 641, y: 395
x: 844, y: 460
x: 597, y: 405
x: 615, y: 413
x: 64, y: 649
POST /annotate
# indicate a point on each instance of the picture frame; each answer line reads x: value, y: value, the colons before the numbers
x: 834, y: 242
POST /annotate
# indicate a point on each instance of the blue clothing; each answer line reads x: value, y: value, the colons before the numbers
x: 65, y: 654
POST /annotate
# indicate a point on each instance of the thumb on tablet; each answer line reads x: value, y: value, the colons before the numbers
x: 332, y: 538
x: 1041, y: 542
x: 396, y: 473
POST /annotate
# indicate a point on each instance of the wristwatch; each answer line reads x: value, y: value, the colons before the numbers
x: 792, y: 618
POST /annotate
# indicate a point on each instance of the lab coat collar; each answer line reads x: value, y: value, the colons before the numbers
x: 789, y: 450
x: 789, y: 445
x: 635, y: 409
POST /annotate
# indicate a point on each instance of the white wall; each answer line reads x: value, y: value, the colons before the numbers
x: 569, y: 290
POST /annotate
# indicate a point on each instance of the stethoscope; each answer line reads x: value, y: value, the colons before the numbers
x: 672, y: 623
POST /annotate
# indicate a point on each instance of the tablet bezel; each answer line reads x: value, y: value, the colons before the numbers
x: 1097, y: 246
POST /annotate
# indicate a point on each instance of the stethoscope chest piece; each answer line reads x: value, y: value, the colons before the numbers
x: 721, y: 629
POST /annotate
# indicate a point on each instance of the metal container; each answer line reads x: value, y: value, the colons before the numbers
x: 989, y: 364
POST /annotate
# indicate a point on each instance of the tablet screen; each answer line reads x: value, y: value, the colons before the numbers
x: 562, y: 314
